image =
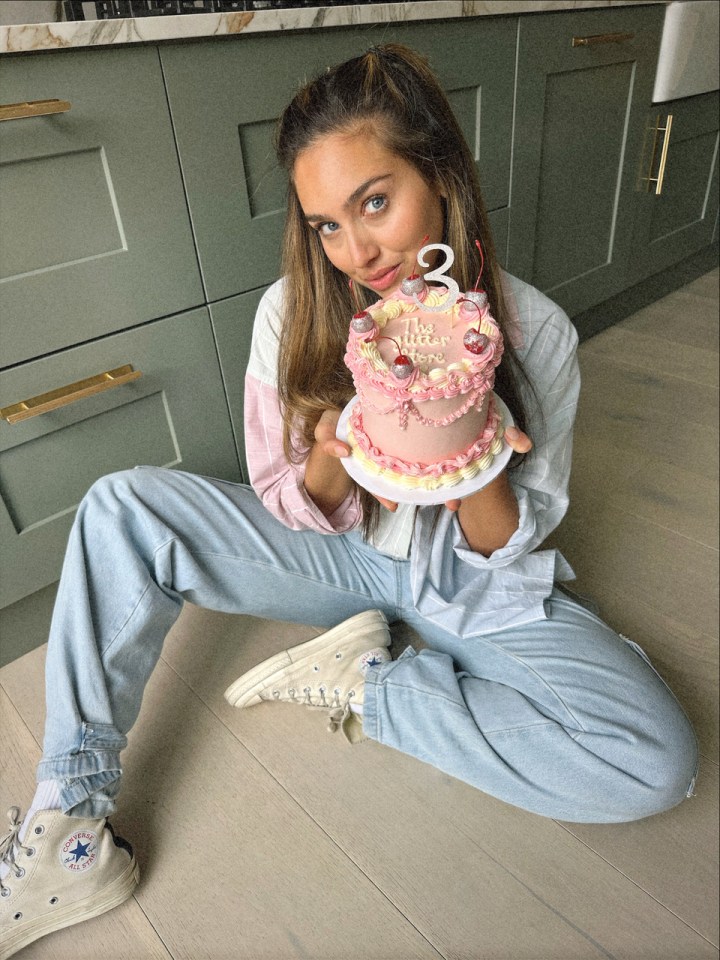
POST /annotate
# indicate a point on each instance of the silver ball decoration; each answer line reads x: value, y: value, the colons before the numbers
x: 474, y: 341
x: 362, y: 322
x: 413, y: 285
x: 402, y: 367
x: 478, y: 297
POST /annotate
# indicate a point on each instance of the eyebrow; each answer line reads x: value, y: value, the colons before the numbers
x: 353, y: 198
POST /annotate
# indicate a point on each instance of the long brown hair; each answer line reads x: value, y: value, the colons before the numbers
x: 392, y: 90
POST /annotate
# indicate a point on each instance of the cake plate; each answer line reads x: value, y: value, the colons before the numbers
x: 384, y: 487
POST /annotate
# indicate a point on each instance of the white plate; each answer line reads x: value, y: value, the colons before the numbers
x: 385, y: 487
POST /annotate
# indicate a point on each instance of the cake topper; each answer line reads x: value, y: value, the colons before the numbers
x: 439, y: 275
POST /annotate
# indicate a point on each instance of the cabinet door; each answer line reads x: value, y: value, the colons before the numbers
x: 225, y: 97
x: 582, y: 96
x: 175, y: 415
x: 679, y: 220
x: 95, y: 230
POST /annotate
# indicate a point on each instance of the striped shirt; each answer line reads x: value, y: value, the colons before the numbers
x: 464, y: 591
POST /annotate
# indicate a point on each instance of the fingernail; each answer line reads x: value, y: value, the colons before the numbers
x: 512, y: 432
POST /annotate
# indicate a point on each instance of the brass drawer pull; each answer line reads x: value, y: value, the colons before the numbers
x: 602, y: 38
x: 35, y: 108
x: 658, y: 180
x: 69, y: 394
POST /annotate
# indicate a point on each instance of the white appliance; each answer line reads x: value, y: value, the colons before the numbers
x: 689, y: 51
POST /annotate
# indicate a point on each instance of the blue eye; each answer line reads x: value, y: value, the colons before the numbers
x: 376, y: 204
x: 326, y: 229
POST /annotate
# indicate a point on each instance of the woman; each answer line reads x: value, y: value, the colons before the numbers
x: 521, y: 691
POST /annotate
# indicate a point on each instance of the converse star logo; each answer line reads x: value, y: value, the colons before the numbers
x: 78, y: 852
x: 373, y: 661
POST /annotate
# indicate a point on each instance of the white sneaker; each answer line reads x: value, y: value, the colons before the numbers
x: 67, y: 869
x: 323, y: 672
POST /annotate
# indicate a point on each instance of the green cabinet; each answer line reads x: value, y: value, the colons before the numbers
x: 232, y: 321
x: 174, y: 415
x: 95, y: 233
x: 583, y: 88
x: 677, y: 205
x: 225, y: 96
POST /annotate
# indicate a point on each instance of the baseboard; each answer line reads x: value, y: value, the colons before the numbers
x: 609, y: 312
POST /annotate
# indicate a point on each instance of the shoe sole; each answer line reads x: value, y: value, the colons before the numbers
x: 242, y: 692
x: 110, y: 896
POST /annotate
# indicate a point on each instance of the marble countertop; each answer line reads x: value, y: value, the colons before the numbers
x: 25, y: 38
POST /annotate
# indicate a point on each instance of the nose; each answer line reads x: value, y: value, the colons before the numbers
x: 362, y: 248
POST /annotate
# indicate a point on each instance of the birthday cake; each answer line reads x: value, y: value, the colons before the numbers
x: 423, y: 364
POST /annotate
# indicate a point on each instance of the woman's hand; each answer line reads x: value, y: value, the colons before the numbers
x: 326, y: 435
x: 327, y: 483
x: 518, y: 441
x: 327, y: 441
x: 490, y: 517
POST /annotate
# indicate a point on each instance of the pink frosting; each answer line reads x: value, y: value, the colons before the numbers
x: 475, y: 451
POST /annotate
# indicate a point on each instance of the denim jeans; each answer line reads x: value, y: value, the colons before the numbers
x: 561, y: 716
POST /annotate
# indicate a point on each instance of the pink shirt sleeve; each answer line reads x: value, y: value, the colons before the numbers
x: 278, y: 483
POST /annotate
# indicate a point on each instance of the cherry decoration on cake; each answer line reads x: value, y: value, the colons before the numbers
x: 414, y: 285
x: 474, y: 341
x: 362, y: 322
x: 402, y: 366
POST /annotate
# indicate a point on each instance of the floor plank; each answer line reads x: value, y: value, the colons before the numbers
x: 670, y: 855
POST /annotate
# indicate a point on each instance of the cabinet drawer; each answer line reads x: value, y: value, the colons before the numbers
x: 96, y: 233
x: 174, y: 415
x: 225, y: 126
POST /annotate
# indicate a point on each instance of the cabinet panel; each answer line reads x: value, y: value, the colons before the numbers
x: 225, y: 124
x: 680, y: 220
x: 232, y: 322
x: 580, y: 118
x: 95, y: 230
x: 175, y: 415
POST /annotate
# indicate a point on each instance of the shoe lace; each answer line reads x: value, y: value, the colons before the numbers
x: 10, y: 845
x: 341, y: 717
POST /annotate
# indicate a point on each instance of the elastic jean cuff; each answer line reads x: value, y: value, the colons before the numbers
x: 90, y: 797
x: 89, y: 779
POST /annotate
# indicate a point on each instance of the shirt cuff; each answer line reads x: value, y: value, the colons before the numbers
x: 344, y: 517
x: 522, y: 542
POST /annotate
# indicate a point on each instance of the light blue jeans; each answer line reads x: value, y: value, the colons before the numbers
x: 561, y: 717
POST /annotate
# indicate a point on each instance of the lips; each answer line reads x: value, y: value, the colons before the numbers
x: 383, y: 279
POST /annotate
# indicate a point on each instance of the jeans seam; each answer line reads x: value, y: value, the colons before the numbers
x: 299, y: 574
x: 540, y: 678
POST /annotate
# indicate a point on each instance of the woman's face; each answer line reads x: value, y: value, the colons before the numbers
x: 371, y: 208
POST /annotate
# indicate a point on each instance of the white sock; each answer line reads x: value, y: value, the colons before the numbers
x: 47, y: 797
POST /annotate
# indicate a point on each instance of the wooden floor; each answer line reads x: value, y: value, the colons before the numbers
x: 261, y: 836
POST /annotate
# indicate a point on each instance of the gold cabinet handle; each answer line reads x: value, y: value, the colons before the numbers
x: 602, y: 38
x: 658, y: 180
x: 35, y: 108
x: 69, y: 394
